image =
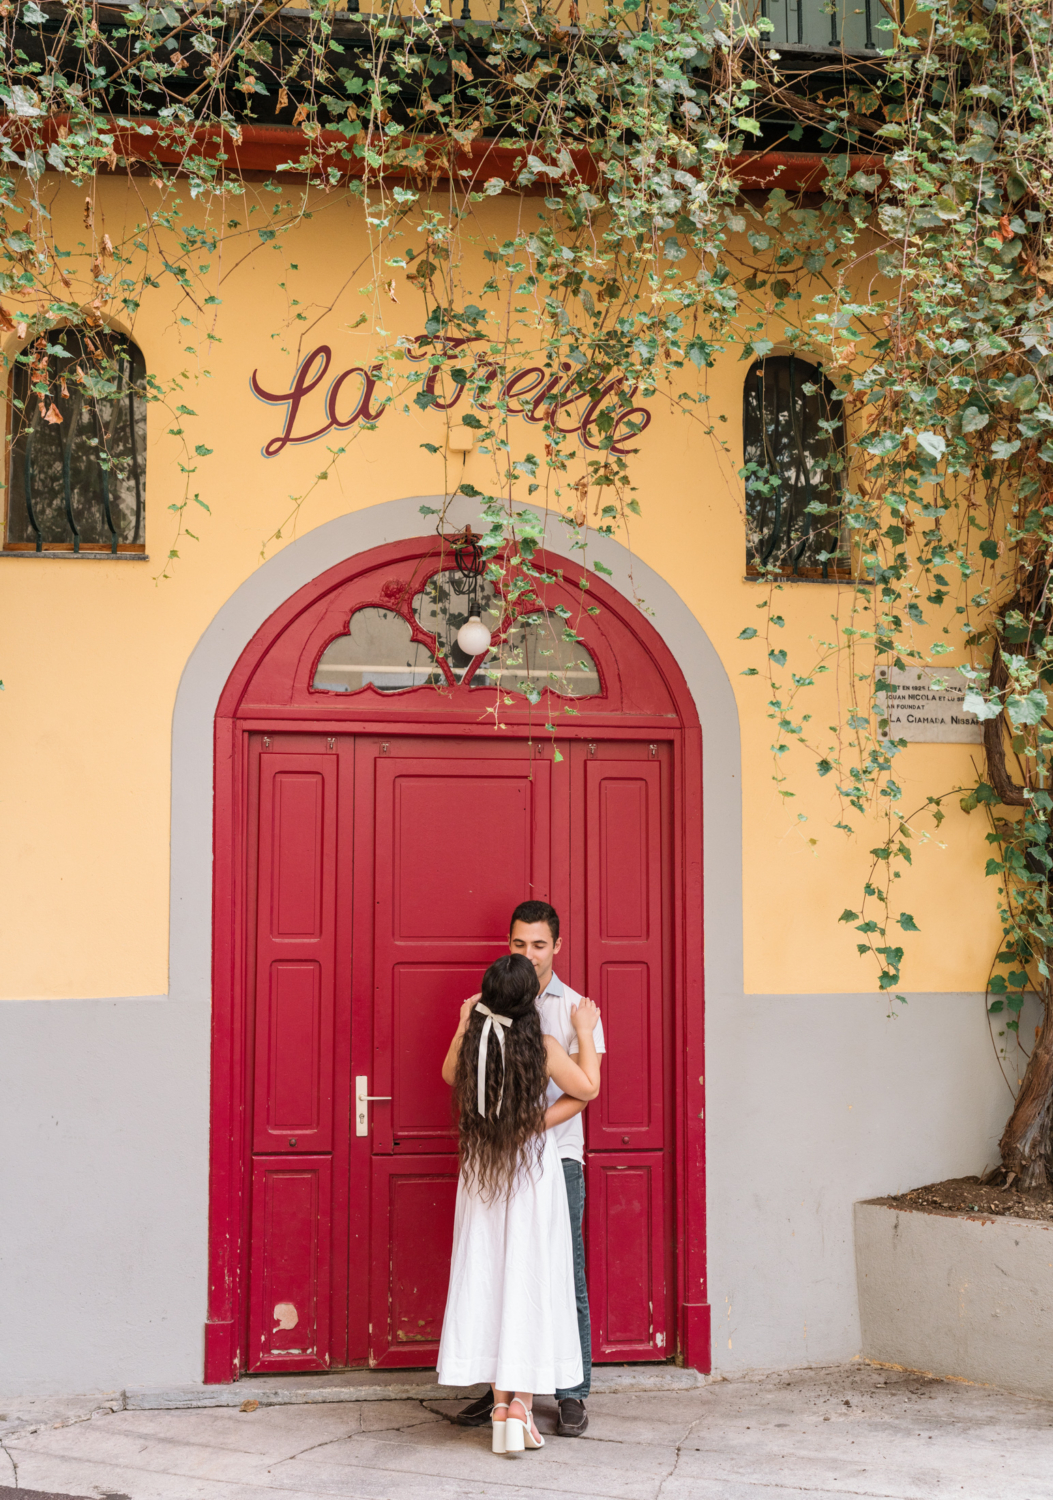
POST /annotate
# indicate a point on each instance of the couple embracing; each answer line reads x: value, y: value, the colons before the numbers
x: 523, y: 1064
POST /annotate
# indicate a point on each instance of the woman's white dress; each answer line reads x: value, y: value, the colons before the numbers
x: 511, y: 1318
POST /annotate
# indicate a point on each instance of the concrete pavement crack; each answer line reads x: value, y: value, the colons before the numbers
x: 810, y: 1489
x: 313, y: 1447
x: 676, y: 1458
x: 11, y: 1461
x: 326, y: 1442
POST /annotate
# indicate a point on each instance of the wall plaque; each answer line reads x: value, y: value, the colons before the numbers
x: 919, y: 711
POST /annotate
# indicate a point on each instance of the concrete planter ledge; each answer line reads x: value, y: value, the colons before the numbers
x: 964, y: 1296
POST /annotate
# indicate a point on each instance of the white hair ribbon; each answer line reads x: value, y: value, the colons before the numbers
x: 502, y: 1023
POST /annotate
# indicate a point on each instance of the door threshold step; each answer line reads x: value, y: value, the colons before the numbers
x: 385, y: 1385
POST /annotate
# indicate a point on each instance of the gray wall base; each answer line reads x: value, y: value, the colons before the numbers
x: 813, y: 1102
x: 103, y: 1193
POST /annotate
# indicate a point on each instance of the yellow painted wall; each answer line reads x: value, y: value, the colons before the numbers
x: 92, y: 651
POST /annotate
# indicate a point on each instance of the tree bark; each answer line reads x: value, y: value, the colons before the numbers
x: 1008, y: 791
x: 1026, y: 1140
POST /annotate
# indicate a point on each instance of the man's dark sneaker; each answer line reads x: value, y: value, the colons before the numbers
x: 476, y: 1413
x: 573, y: 1418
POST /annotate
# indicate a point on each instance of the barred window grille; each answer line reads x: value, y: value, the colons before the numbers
x: 793, y: 440
x: 77, y: 470
x: 846, y: 25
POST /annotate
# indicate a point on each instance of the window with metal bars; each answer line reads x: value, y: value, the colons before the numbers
x: 793, y: 442
x: 849, y: 25
x: 77, y: 445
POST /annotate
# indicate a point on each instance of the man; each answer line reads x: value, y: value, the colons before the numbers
x: 534, y: 932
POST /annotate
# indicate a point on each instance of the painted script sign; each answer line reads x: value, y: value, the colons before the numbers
x: 321, y: 399
x: 918, y: 710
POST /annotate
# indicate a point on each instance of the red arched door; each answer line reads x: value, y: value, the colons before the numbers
x: 382, y: 805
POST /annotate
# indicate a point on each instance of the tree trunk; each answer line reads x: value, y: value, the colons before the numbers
x: 1008, y: 791
x: 1026, y: 1140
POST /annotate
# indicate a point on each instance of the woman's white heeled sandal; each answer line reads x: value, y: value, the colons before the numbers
x: 520, y: 1434
x: 497, y: 1441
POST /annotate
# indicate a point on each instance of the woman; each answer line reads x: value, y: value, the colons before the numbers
x: 510, y: 1313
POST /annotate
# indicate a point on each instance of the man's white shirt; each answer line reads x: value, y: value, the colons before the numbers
x: 555, y: 1004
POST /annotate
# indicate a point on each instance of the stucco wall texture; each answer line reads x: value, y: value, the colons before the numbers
x: 95, y: 649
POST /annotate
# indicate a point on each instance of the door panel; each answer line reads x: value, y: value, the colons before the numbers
x: 295, y: 1058
x: 627, y: 1256
x: 443, y: 822
x: 424, y: 996
x: 289, y: 1294
x: 625, y: 1001
x: 459, y: 841
x: 298, y: 842
x: 624, y: 940
x: 621, y: 811
x: 293, y: 1094
x: 292, y: 1052
x: 413, y: 1203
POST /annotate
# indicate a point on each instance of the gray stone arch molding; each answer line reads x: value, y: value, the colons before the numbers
x: 215, y: 655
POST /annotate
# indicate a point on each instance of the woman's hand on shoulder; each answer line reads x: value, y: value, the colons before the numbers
x: 467, y: 1006
x: 585, y: 1016
x: 449, y: 1067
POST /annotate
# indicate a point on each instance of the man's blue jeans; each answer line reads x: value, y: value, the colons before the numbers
x: 574, y: 1175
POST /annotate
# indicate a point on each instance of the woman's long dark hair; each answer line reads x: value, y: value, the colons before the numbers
x: 497, y: 1147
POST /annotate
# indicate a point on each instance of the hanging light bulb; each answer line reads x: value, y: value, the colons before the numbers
x: 473, y: 637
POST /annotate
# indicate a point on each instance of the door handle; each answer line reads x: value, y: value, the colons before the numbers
x: 362, y: 1099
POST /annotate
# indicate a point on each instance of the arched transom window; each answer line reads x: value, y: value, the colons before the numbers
x: 413, y: 643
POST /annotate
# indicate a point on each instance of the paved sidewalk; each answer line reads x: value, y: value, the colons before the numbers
x: 846, y: 1431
